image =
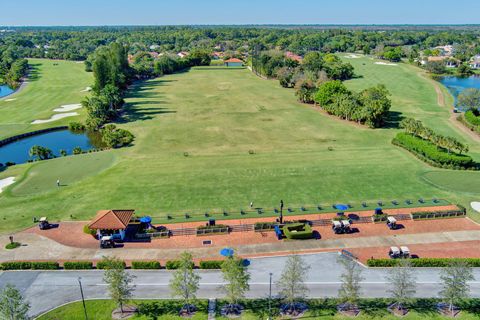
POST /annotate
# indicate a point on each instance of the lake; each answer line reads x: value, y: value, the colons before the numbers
x: 5, y: 90
x: 17, y: 151
x: 457, y: 84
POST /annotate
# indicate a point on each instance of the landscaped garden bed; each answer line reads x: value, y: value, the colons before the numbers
x: 298, y: 231
x: 440, y: 214
x: 212, y: 230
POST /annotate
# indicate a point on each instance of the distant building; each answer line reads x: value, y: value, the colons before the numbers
x: 294, y: 56
x: 233, y: 62
x: 217, y: 55
x: 182, y: 54
x: 446, y: 51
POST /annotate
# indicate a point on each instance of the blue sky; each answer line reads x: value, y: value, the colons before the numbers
x: 161, y: 12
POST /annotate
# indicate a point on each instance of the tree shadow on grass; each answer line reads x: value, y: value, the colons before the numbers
x: 33, y: 73
x: 133, y: 113
x: 393, y: 120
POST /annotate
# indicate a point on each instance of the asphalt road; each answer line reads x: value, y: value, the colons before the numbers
x: 48, y: 289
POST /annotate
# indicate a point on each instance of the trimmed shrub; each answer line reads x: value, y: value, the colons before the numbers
x: 438, y: 214
x: 208, y: 230
x: 380, y: 217
x: 45, y: 265
x: 423, y: 262
x: 174, y: 264
x: 298, y: 231
x: 13, y: 245
x: 89, y: 231
x: 471, y: 118
x: 146, y: 265
x: 213, y: 264
x: 17, y: 265
x: 103, y: 264
x: 426, y: 150
x: 78, y: 265
x: 264, y: 226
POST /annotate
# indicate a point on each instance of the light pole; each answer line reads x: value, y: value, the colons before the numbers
x: 83, y: 299
x: 270, y: 299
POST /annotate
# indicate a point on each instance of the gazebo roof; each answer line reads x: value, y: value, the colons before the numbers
x: 111, y: 219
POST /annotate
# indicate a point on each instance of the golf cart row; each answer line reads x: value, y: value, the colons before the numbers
x: 396, y: 253
x: 342, y: 226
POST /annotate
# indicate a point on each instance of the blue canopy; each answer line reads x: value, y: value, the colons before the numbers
x: 146, y: 219
x: 245, y: 262
x: 341, y: 207
x: 226, y: 252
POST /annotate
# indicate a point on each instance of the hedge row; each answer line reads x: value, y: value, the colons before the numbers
x: 78, y: 265
x: 423, y: 262
x: 427, y: 150
x: 471, y: 118
x: 103, y: 264
x: 27, y: 265
x: 87, y: 265
x: 146, y: 265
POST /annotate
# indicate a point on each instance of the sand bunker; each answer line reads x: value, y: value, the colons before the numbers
x: 475, y: 206
x: 386, y: 64
x: 11, y: 99
x: 56, y: 117
x: 87, y: 89
x: 6, y: 182
x: 68, y: 107
x: 353, y: 56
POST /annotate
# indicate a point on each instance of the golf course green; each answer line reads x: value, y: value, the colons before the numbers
x: 217, y: 139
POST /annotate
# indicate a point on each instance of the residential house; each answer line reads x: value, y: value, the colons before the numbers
x: 182, y: 54
x: 446, y: 51
x: 475, y: 62
x: 294, y: 56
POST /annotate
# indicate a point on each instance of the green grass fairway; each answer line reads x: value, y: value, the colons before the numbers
x: 51, y: 84
x: 217, y: 116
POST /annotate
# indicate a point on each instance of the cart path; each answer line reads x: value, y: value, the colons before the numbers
x: 453, y: 116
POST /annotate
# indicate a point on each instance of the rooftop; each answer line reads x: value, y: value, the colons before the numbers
x: 111, y: 219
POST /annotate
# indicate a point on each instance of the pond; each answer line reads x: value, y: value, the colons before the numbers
x: 5, y: 91
x: 457, y: 84
x: 17, y: 151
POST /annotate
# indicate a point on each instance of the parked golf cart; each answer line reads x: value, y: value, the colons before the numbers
x: 337, y: 227
x: 394, y: 253
x: 346, y: 226
x: 107, y: 242
x: 391, y: 223
x: 43, y: 223
x: 405, y: 252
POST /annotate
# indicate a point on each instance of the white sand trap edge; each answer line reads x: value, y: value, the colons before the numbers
x: 56, y: 117
x: 353, y: 56
x: 6, y: 182
x: 11, y: 99
x: 386, y: 64
x: 475, y: 206
x: 87, y: 89
x: 68, y: 107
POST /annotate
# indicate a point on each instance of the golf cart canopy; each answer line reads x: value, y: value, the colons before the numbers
x: 346, y: 223
x: 405, y: 249
x: 43, y: 219
x: 336, y: 224
x: 394, y: 250
x: 106, y: 238
x: 391, y: 220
